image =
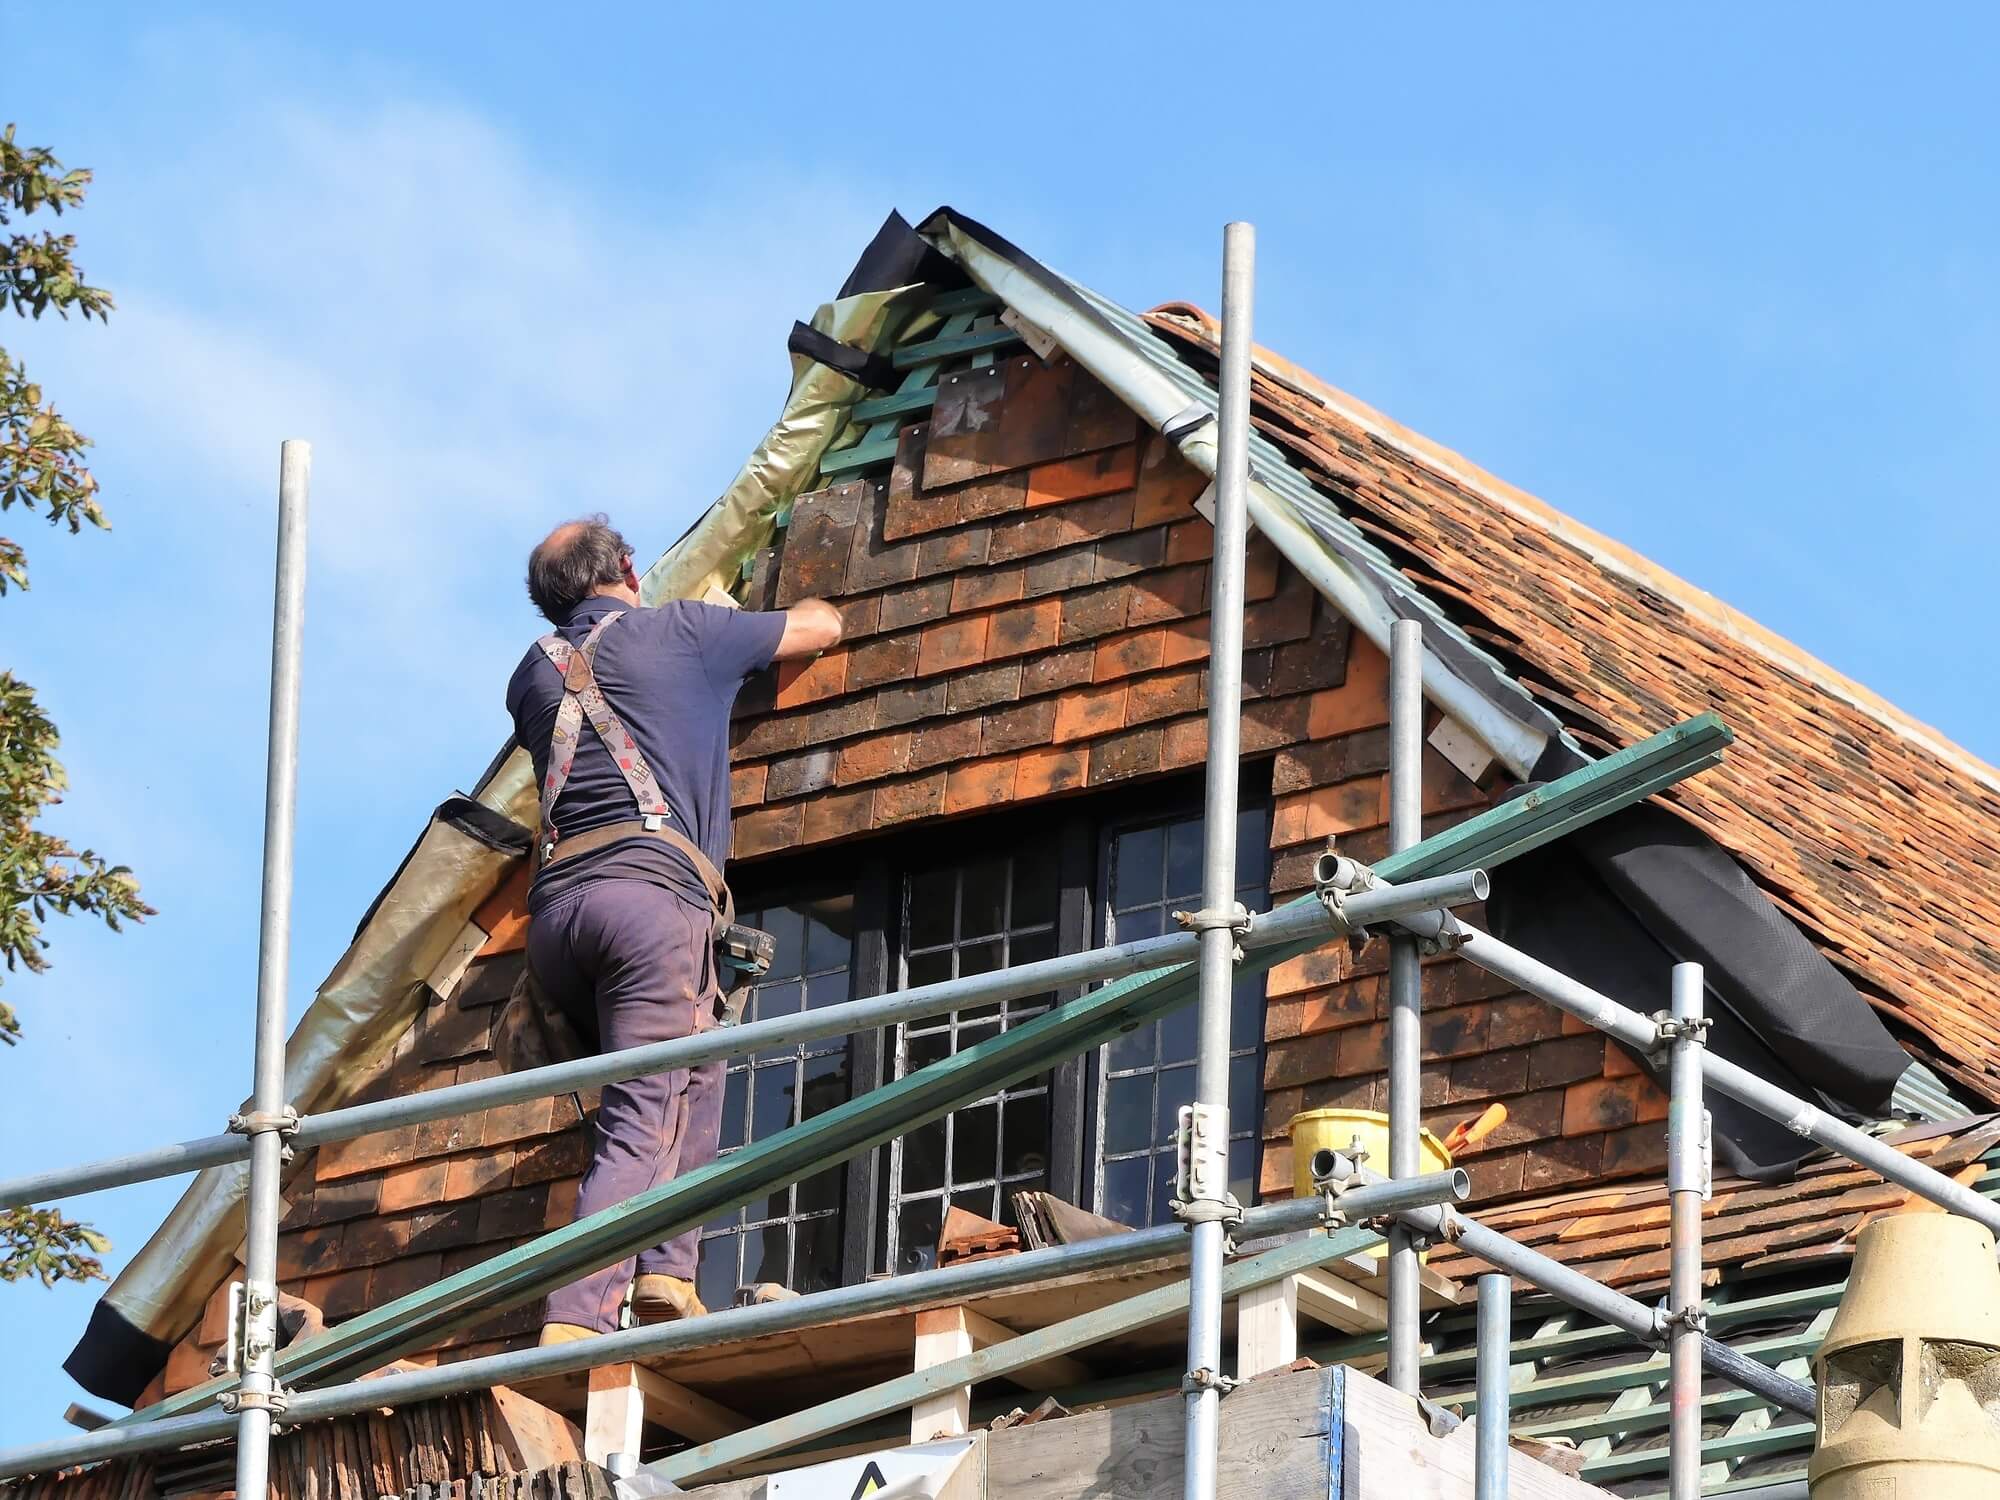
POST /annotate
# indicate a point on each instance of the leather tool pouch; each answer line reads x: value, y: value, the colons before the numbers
x: 742, y: 956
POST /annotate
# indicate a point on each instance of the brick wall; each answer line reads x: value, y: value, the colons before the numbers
x: 1025, y: 597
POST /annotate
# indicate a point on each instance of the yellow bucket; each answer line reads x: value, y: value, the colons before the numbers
x: 1339, y: 1129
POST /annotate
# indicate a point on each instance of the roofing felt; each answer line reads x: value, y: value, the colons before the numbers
x: 1873, y: 832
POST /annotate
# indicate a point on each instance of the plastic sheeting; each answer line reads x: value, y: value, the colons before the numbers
x: 376, y: 991
x: 366, y: 1004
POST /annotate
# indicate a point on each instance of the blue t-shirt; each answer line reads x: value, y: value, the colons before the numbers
x: 671, y: 674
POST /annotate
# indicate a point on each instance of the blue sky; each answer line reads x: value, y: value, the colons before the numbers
x: 1720, y: 282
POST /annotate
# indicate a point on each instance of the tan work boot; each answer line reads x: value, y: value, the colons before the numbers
x: 658, y: 1298
x: 565, y: 1333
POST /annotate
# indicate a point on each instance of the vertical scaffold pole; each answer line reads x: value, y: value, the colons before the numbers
x: 1206, y: 1138
x: 266, y: 1122
x: 1687, y: 1187
x: 1406, y: 991
x: 1489, y: 1431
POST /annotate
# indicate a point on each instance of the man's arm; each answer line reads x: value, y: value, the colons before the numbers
x: 811, y: 626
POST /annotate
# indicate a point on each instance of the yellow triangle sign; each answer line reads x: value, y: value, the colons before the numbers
x: 871, y: 1480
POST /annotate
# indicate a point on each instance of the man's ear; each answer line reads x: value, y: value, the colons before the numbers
x: 631, y: 578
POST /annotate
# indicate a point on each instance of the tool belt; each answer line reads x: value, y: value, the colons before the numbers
x: 742, y: 954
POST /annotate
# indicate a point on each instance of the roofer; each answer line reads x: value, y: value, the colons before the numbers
x: 628, y: 899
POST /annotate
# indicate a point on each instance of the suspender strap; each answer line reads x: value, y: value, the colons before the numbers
x: 583, y: 699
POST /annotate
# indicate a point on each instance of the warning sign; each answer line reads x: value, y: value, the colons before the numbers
x: 917, y: 1473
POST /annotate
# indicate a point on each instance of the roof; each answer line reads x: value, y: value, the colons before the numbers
x: 1875, y: 833
x: 1785, y: 1250
x: 1871, y: 830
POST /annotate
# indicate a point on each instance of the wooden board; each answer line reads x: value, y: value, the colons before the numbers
x: 1281, y: 1436
x: 1387, y: 1453
x: 1273, y: 1446
x: 780, y: 1372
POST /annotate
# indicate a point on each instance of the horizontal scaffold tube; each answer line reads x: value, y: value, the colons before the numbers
x: 1297, y: 921
x: 1796, y: 1114
x: 1603, y: 1303
x: 730, y: 1325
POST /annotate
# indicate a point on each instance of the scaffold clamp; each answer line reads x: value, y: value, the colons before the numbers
x: 1668, y: 1029
x: 237, y: 1401
x: 284, y: 1123
x: 1205, y: 1379
x: 1235, y: 917
x: 1694, y: 1318
x: 1201, y: 1176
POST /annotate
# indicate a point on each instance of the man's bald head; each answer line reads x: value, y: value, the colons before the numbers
x: 576, y: 560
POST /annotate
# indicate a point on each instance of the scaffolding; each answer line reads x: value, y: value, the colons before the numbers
x: 1408, y: 895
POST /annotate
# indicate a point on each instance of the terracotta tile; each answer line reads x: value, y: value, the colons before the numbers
x: 982, y: 784
x: 1095, y: 612
x: 768, y: 736
x: 810, y: 681
x: 1088, y: 520
x: 765, y: 830
x: 889, y: 658
x: 1086, y: 712
x: 1019, y: 726
x: 481, y: 1172
x: 746, y: 785
x: 818, y: 539
x: 1051, y: 671
x: 1185, y: 641
x: 914, y: 797
x: 1133, y: 552
x: 1121, y: 656
x: 1051, y: 769
x: 983, y: 687
x: 1060, y: 572
x: 943, y: 742
x: 1184, y: 744
x: 951, y: 551
x: 995, y: 495
x: 908, y: 702
x: 914, y: 604
x: 1134, y: 752
x: 1164, y: 695
x: 951, y: 645
x: 1080, y: 478
x: 1191, y: 541
x: 879, y: 755
x: 985, y: 587
x: 1599, y: 1104
x: 1022, y: 628
x: 1171, y: 595
x: 839, y: 815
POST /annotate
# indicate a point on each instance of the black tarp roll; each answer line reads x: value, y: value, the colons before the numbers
x: 1617, y: 904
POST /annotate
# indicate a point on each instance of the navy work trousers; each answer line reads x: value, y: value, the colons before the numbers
x: 631, y: 963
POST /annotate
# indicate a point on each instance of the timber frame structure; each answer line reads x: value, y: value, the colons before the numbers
x: 1407, y: 893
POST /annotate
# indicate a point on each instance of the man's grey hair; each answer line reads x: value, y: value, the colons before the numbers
x: 573, y: 562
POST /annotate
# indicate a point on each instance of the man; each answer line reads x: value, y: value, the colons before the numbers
x: 626, y: 713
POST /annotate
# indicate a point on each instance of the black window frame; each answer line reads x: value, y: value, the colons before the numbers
x: 1080, y: 828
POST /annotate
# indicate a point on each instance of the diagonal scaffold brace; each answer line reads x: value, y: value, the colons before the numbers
x: 418, y: 1319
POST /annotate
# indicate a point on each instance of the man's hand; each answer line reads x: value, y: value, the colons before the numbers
x: 811, y: 626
